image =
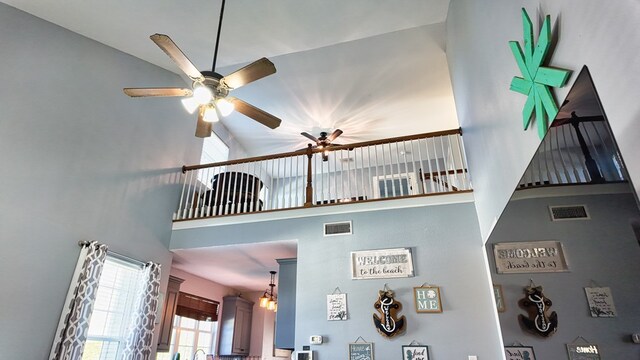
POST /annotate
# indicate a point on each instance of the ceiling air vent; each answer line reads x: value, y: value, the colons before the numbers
x: 337, y: 228
x: 570, y: 212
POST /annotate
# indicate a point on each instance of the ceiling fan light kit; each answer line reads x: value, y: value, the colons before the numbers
x: 210, y: 90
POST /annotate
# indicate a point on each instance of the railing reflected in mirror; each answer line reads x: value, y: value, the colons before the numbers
x: 577, y: 196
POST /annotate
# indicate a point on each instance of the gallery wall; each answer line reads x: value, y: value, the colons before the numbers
x: 601, y: 251
x: 81, y: 161
x: 445, y: 241
x: 601, y: 35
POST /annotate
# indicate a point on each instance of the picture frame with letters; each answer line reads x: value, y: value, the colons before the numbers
x: 427, y: 299
x: 415, y: 352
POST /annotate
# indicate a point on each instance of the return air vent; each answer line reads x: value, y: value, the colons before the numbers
x: 337, y: 228
x: 570, y: 212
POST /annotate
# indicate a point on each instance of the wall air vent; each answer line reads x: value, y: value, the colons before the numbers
x: 569, y: 212
x: 338, y: 228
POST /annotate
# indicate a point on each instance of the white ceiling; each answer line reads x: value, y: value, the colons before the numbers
x: 373, y: 68
x: 244, y: 267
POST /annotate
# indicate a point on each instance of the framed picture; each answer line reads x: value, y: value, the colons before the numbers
x: 381, y: 264
x: 519, y: 353
x: 415, y: 352
x: 600, y: 302
x: 427, y: 299
x: 337, y: 307
x: 304, y: 355
x: 583, y: 352
x: 361, y: 351
x: 497, y: 293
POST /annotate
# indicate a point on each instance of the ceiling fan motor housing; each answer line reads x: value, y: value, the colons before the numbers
x: 212, y: 81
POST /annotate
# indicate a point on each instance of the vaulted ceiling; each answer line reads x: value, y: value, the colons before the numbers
x: 373, y: 68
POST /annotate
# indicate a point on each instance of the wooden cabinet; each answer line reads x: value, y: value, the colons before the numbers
x: 235, y: 334
x: 168, y: 311
x: 286, y: 315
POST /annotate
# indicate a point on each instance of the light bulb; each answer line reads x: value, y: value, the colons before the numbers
x: 210, y: 114
x: 202, y: 94
x: 191, y: 104
x: 225, y: 106
x: 263, y: 301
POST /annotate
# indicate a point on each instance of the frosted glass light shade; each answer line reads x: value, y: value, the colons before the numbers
x: 263, y: 301
x: 190, y: 104
x: 202, y: 94
x: 225, y: 106
x: 271, y: 305
x: 210, y: 114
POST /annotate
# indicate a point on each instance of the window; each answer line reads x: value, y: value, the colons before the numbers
x: 188, y: 336
x: 402, y: 184
x: 214, y: 150
x: 119, y: 285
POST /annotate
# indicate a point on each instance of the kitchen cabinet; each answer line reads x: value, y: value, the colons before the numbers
x: 235, y: 334
x: 168, y: 312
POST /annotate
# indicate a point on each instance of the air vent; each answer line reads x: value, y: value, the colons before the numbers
x: 571, y: 212
x: 337, y: 228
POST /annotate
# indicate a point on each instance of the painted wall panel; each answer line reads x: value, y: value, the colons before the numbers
x: 81, y: 161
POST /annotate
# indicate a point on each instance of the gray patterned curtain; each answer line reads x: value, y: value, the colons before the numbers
x: 140, y: 337
x: 74, y: 320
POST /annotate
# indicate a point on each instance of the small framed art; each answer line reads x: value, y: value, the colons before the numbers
x: 361, y: 351
x: 519, y: 353
x: 497, y: 293
x: 415, y: 352
x: 427, y: 299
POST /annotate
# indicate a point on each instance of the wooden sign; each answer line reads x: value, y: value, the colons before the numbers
x: 538, y: 320
x: 381, y: 264
x: 361, y: 351
x: 600, y: 302
x: 337, y: 307
x: 415, y: 352
x: 388, y: 324
x: 427, y: 299
x: 519, y: 353
x: 529, y: 257
x: 583, y: 352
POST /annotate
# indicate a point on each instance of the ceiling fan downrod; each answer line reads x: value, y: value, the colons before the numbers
x: 215, y: 51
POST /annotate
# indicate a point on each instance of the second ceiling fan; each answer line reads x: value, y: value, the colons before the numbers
x: 209, y: 93
x: 325, y: 141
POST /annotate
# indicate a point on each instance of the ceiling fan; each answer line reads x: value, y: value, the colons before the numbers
x: 324, y: 141
x: 209, y: 93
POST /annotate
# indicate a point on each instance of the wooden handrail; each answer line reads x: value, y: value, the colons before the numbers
x: 333, y: 148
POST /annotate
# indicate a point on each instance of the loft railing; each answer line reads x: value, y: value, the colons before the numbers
x: 407, y: 166
x: 576, y: 151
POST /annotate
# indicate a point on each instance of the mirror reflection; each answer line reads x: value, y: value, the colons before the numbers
x: 565, y: 254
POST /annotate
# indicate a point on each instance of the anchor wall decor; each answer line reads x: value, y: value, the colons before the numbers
x: 538, y: 320
x: 387, y: 323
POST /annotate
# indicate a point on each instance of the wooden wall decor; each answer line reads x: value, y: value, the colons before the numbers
x: 538, y: 320
x: 388, y: 324
x: 536, y: 79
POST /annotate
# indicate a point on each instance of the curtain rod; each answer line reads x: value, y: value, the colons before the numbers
x: 118, y: 255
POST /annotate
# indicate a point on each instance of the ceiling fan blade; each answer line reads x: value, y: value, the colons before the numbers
x: 250, y: 73
x: 173, y: 51
x: 256, y: 114
x: 334, y: 135
x: 203, y: 128
x: 144, y: 92
x: 309, y: 136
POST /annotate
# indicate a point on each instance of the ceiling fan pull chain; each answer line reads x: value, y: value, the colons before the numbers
x: 215, y: 52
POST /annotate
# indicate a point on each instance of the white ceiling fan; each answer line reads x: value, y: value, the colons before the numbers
x: 209, y: 93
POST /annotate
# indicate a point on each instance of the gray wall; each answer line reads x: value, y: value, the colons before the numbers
x: 603, y: 250
x: 81, y: 161
x: 446, y: 245
x: 603, y: 35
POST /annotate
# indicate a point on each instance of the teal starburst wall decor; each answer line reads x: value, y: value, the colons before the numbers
x: 536, y: 80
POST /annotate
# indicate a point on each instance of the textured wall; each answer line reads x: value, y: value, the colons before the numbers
x: 81, y: 161
x: 602, y: 35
